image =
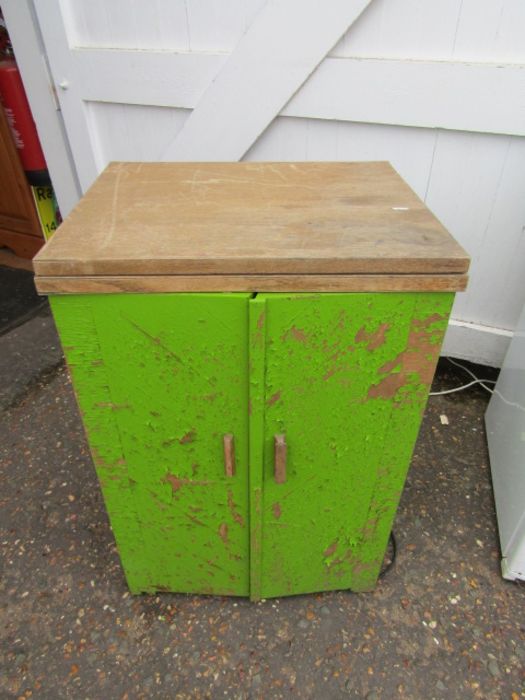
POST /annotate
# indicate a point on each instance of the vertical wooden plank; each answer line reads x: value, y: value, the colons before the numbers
x: 124, y: 131
x: 285, y: 139
x: 409, y: 150
x: 88, y: 23
x: 322, y: 143
x: 475, y: 190
x: 145, y: 143
x: 465, y: 177
x: 173, y: 23
x: 257, y: 346
x: 400, y: 28
x: 215, y: 25
x: 146, y: 23
x: 508, y: 215
x: 491, y: 30
x: 108, y: 122
x: 139, y: 25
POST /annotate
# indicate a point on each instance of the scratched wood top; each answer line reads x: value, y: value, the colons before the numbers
x: 251, y: 219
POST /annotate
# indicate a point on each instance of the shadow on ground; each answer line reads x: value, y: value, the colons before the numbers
x: 18, y: 297
x: 441, y: 624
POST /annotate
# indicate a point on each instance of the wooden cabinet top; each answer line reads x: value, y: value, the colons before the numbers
x: 266, y: 221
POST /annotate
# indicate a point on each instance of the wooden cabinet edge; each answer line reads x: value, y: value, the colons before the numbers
x: 250, y: 283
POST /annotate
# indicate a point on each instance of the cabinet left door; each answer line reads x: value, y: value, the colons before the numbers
x: 160, y: 380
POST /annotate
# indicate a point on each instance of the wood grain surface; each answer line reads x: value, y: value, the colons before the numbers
x: 143, y: 219
x: 250, y: 283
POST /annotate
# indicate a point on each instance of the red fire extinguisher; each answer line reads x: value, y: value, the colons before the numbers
x: 20, y: 120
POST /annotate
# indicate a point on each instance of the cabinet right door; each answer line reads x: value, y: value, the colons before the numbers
x: 339, y: 383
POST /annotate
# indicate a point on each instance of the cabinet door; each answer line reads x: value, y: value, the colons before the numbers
x: 160, y: 379
x: 342, y: 379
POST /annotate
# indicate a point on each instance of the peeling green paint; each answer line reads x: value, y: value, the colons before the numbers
x: 256, y: 350
x: 161, y: 378
x: 352, y: 373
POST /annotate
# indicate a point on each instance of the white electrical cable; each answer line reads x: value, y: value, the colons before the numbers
x: 463, y: 386
x: 481, y: 382
x: 468, y: 371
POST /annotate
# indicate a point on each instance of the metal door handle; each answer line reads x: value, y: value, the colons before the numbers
x: 280, y: 459
x: 229, y: 455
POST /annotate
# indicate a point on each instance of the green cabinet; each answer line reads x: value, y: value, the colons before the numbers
x: 340, y: 379
x: 251, y: 345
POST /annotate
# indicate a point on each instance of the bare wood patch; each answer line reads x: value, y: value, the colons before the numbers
x: 188, y: 437
x: 223, y: 532
x: 233, y: 509
x: 330, y: 551
x: 419, y: 359
x: 177, y: 483
x: 274, y: 398
x: 298, y: 334
x: 374, y: 339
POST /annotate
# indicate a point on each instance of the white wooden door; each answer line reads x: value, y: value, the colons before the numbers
x: 438, y: 89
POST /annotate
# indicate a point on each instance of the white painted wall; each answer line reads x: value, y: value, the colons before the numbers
x: 436, y: 88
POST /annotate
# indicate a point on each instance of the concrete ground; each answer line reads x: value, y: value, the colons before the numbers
x: 442, y: 623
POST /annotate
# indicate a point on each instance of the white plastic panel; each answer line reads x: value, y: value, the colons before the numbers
x: 505, y: 421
